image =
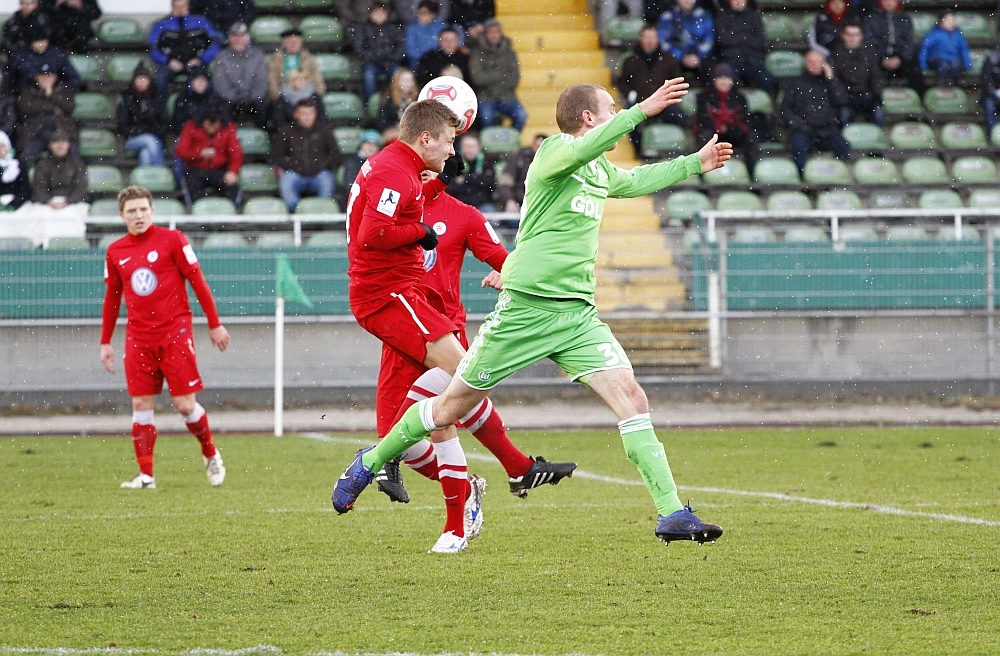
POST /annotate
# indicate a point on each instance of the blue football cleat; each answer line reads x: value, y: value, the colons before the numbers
x: 352, y: 483
x: 685, y: 525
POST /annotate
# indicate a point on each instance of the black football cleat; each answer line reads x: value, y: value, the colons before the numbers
x: 390, y: 481
x: 541, y: 473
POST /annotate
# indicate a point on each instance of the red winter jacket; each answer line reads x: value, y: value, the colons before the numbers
x: 228, y: 152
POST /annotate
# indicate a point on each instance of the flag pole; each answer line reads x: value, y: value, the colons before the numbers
x: 279, y: 365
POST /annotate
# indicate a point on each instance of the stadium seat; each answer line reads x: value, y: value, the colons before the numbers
x: 939, y: 199
x: 995, y: 135
x: 321, y: 29
x: 268, y: 29
x: 974, y: 25
x: 925, y: 170
x: 168, y: 207
x: 254, y: 141
x: 91, y: 105
x: 776, y: 171
x: 978, y: 57
x: 333, y: 66
x: 985, y: 198
x: 258, y: 178
x: 663, y: 138
x: 922, y: 23
x: 905, y: 233
x: 865, y: 137
x: 622, y: 30
x: 343, y: 105
x: 729, y: 201
x: 974, y: 170
x: 97, y: 142
x: 213, y: 206
x: 875, y: 171
x: 684, y: 204
x: 16, y: 244
x: 224, y: 239
x: 901, y: 101
x: 780, y: 27
x: 838, y: 200
x: 68, y: 244
x: 857, y: 233
x: 120, y: 31
x: 946, y: 100
x: 824, y: 170
x: 88, y: 67
x: 806, y: 234
x: 275, y: 240
x: 758, y: 101
x: 316, y: 205
x: 911, y: 135
x: 689, y: 103
x: 788, y: 201
x: 265, y: 205
x: 104, y: 207
x: 104, y: 179
x: 947, y: 233
x: 733, y: 173
x: 963, y: 136
x: 784, y: 63
x: 348, y: 138
x: 690, y: 239
x: 889, y: 200
x: 158, y: 179
x: 373, y: 105
x: 500, y: 140
x: 108, y: 239
x: 271, y: 4
x: 328, y: 239
x: 310, y: 4
x: 753, y: 236
x: 121, y: 66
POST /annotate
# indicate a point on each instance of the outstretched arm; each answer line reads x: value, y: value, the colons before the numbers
x: 714, y: 154
x: 670, y: 93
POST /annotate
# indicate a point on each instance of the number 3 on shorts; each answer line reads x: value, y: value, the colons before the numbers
x: 613, y: 353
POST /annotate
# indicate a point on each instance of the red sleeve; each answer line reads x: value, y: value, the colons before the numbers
x: 380, y: 232
x: 483, y: 240
x: 186, y: 148
x: 187, y: 263
x: 235, y: 149
x: 434, y: 188
x: 112, y: 301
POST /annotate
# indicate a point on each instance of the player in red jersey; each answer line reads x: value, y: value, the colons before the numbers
x: 150, y: 266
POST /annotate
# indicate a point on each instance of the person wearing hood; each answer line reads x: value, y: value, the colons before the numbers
x: 72, y: 22
x: 142, y: 118
x: 811, y: 109
x: 290, y: 56
x: 645, y: 71
x: 297, y: 87
x: 945, y: 50
x: 740, y: 41
x: 195, y: 100
x: 824, y: 29
x: 722, y: 110
x: 240, y: 77
x: 14, y: 187
x: 856, y: 66
x: 44, y: 107
x: 495, y: 74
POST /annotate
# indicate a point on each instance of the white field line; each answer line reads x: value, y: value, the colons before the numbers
x: 777, y: 496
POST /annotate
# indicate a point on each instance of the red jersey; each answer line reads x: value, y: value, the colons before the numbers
x: 459, y: 227
x: 383, y: 226
x: 152, y: 269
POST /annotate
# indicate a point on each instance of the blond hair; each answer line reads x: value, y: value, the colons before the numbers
x: 426, y: 116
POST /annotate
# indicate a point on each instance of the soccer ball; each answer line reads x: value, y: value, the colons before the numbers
x: 457, y: 96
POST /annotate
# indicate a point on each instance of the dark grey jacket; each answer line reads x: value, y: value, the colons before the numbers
x: 495, y: 70
x: 812, y: 102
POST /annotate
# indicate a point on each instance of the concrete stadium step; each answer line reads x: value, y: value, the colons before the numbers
x: 541, y: 8
x: 528, y: 41
x: 539, y: 98
x: 547, y: 59
x: 554, y: 77
x: 663, y: 346
x: 652, y: 296
x: 524, y: 21
x: 633, y: 249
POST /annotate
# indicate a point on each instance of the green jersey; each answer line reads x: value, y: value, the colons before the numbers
x: 567, y: 184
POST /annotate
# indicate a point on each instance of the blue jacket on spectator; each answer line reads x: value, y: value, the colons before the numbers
x: 687, y: 34
x: 197, y: 37
x: 421, y: 39
x: 942, y: 44
x: 27, y: 63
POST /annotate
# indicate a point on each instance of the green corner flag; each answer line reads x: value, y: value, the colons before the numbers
x: 287, y: 285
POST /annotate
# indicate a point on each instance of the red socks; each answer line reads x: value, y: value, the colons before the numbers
x: 454, y: 476
x: 487, y: 425
x: 143, y: 439
x: 197, y: 424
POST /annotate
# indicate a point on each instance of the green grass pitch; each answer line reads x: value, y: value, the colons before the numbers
x: 575, y: 568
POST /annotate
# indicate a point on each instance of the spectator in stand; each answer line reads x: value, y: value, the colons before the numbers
x: 292, y: 56
x: 20, y: 29
x: 212, y: 157
x: 180, y: 43
x: 225, y: 13
x: 422, y: 34
x: 477, y: 186
x: 741, y: 42
x: 722, y: 110
x: 824, y: 29
x: 39, y: 53
x: 448, y: 53
x: 989, y: 89
x: 296, y: 89
x: 400, y: 94
x: 142, y: 118
x: 306, y: 156
x: 645, y: 71
x: 370, y: 144
x: 195, y: 100
x: 811, y: 109
x: 408, y: 11
x: 378, y: 42
x: 14, y: 188
x: 240, y: 77
x: 857, y: 67
x: 60, y: 179
x: 889, y: 32
x: 8, y: 106
x: 471, y: 16
x: 612, y: 8
x: 944, y: 50
x: 510, y: 186
x: 495, y: 74
x: 44, y: 108
x: 72, y: 22
x: 689, y: 33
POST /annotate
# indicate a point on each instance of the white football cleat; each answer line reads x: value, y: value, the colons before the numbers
x: 448, y: 543
x: 140, y: 482
x: 474, y: 506
x: 215, y: 470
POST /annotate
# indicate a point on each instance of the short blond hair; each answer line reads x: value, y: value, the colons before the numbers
x: 426, y: 116
x: 133, y: 192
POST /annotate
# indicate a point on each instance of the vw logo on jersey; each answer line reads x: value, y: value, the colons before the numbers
x: 440, y: 228
x: 153, y: 256
x: 430, y: 259
x: 143, y: 281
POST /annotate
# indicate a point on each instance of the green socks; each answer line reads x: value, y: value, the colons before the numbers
x: 646, y: 453
x: 415, y: 425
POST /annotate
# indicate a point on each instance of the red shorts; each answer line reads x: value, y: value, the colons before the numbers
x: 407, y: 321
x: 173, y: 358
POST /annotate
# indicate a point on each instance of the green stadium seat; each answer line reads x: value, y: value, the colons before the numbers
x: 321, y: 29
x: 254, y: 141
x: 158, y: 179
x: 985, y: 198
x: 912, y: 135
x: 824, y: 170
x: 838, y: 200
x: 663, y: 138
x: 969, y: 233
x: 978, y: 57
x: 876, y: 171
x: 622, y: 30
x: 974, y: 25
x: 68, y: 244
x: 373, y: 105
x: 500, y: 140
x: 275, y: 241
x: 901, y: 101
x: 925, y: 170
x: 120, y: 31
x: 224, y: 239
x: 784, y: 63
x: 865, y: 137
x: 963, y: 136
x: 889, y: 200
x: 16, y: 244
x: 684, y: 204
x: 754, y: 236
x: 922, y: 23
x: 343, y: 105
x: 168, y: 207
x: 316, y: 205
x: 108, y: 239
x: 906, y: 233
x: 689, y: 103
x: 974, y: 170
x: 776, y: 171
x: 939, y: 199
x: 104, y: 207
x: 258, y: 178
x: 690, y: 239
x: 213, y: 206
x: 268, y: 29
x: 270, y: 4
x: 758, y: 101
x: 788, y: 201
x: 809, y: 234
x: 780, y: 27
x: 729, y: 201
x: 348, y: 138
x: 121, y: 67
x: 733, y: 173
x: 995, y: 135
x: 265, y: 205
x: 328, y: 239
x: 104, y: 179
x: 946, y: 100
x: 97, y: 142
x: 88, y: 66
x: 311, y: 4
x: 89, y: 105
x: 857, y: 233
x: 333, y: 66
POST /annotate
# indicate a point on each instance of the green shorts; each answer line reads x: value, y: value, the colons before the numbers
x: 524, y: 329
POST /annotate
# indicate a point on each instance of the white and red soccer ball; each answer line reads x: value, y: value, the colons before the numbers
x: 456, y: 95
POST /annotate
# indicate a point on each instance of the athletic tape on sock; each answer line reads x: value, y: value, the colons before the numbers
x: 195, y: 415
x: 434, y: 380
x: 634, y: 424
x: 142, y: 417
x: 426, y: 410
